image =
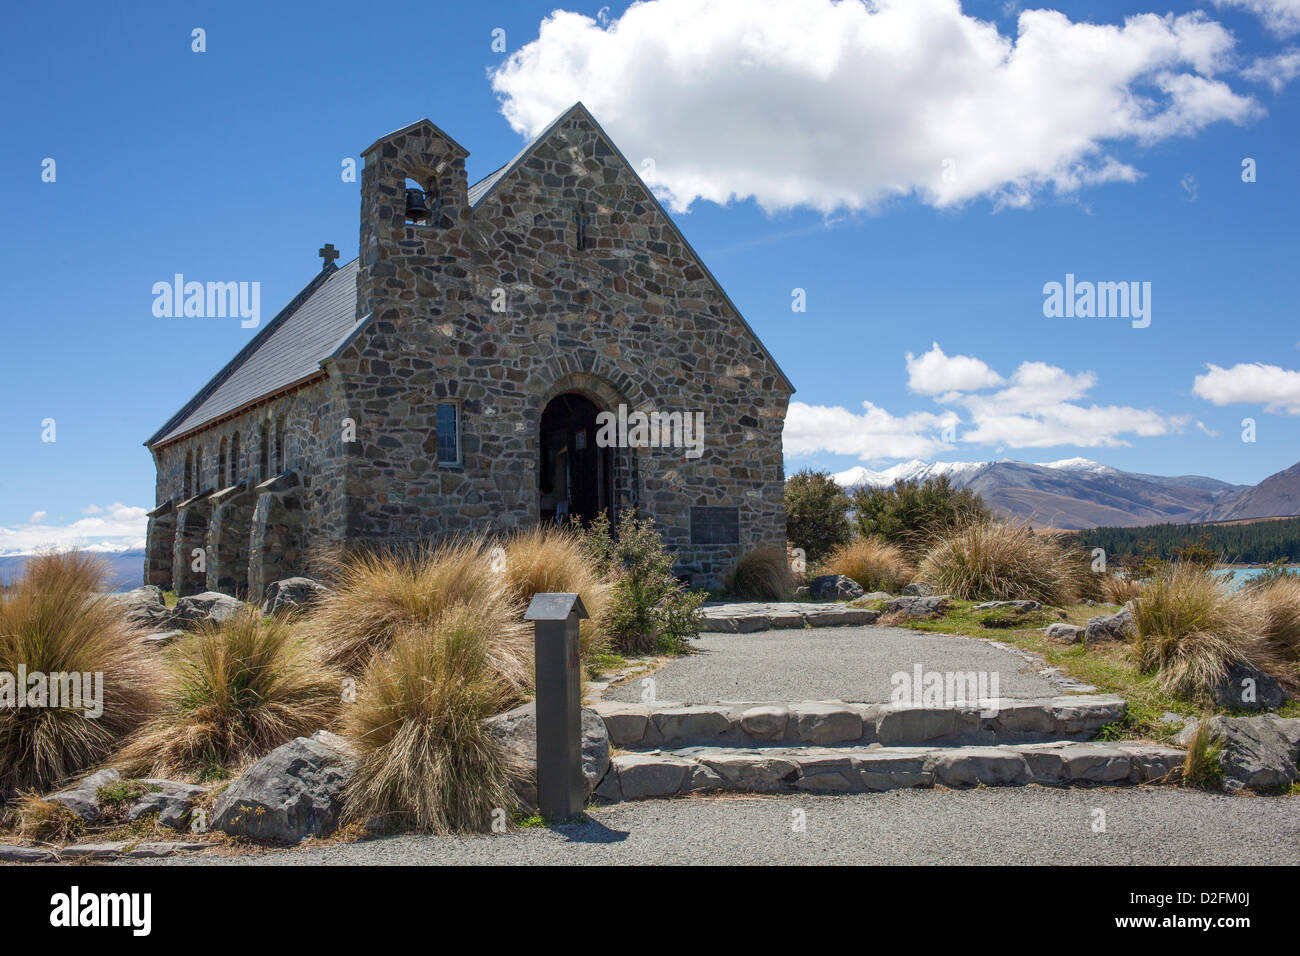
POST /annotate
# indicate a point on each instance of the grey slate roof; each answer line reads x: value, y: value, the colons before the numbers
x: 287, y: 351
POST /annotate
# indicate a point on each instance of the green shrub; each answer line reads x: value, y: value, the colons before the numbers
x: 816, y: 513
x: 650, y: 610
x: 912, y: 514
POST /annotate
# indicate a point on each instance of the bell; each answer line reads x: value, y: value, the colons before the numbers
x: 416, y: 209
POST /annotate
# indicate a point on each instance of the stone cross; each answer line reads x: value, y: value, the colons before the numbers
x: 329, y: 254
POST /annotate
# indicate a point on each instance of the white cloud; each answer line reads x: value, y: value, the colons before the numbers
x: 1039, y: 406
x: 1276, y: 71
x: 117, y: 527
x: 935, y: 373
x: 1277, y: 389
x: 845, y: 105
x: 1280, y: 16
x: 873, y: 435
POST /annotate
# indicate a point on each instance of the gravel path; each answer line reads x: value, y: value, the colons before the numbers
x: 1014, y: 825
x: 832, y: 663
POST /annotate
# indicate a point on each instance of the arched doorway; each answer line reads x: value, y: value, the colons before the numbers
x: 575, y: 478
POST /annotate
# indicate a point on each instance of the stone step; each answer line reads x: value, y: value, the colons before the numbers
x: 666, y: 773
x: 745, y: 618
x: 823, y: 723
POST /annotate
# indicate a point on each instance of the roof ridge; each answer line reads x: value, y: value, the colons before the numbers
x: 247, y: 351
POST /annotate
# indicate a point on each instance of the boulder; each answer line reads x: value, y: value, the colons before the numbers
x: 1257, y: 753
x: 292, y: 793
x: 1248, y: 688
x: 144, y: 606
x: 1111, y: 627
x: 292, y: 595
x: 919, y: 589
x: 834, y: 587
x: 1064, y: 633
x: 919, y: 607
x: 83, y: 798
x: 517, y: 731
x: 874, y: 596
x: 167, y: 798
x: 207, y: 606
x: 1020, y: 607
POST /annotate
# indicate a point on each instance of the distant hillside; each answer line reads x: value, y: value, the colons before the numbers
x: 126, y: 568
x: 1246, y: 542
x: 1074, y: 493
x: 1276, y: 495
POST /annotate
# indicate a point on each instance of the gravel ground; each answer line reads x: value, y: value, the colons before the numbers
x: 832, y: 663
x: 1013, y: 825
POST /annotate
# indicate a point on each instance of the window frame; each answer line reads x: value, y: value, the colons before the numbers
x: 459, y: 424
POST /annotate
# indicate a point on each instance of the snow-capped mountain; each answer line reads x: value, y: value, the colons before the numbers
x: 1071, y: 493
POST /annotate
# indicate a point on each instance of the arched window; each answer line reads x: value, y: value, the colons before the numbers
x: 222, y: 456
x: 234, y: 458
x: 187, y: 487
x: 580, y: 227
x: 265, y: 463
x: 279, y: 445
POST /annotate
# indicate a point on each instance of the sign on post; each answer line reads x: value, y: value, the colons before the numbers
x: 561, y: 788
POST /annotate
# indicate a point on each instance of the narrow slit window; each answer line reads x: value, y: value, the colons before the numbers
x: 448, y: 433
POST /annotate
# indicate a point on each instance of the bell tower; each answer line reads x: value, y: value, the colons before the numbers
x: 414, y: 212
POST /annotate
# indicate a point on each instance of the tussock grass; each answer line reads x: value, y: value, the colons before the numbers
x: 874, y: 563
x: 54, y: 619
x: 46, y: 821
x: 1201, y: 766
x: 1002, y: 561
x: 380, y: 594
x: 1279, y: 603
x: 427, y: 762
x: 1192, y: 626
x: 1120, y: 589
x: 551, y: 558
x: 761, y: 574
x: 232, y: 693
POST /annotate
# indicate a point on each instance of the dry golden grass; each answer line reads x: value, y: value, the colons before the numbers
x: 1002, y: 561
x: 55, y: 620
x: 426, y: 760
x: 1119, y: 589
x: 1192, y: 626
x: 762, y: 574
x: 550, y: 558
x: 232, y: 693
x: 1279, y: 602
x: 379, y: 595
x: 46, y: 821
x: 873, y: 562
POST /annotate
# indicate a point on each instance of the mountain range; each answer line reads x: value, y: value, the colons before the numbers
x: 1078, y: 493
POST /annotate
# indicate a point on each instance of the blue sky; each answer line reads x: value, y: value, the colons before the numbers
x: 920, y: 171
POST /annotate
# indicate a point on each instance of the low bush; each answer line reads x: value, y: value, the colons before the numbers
x: 762, y: 574
x: 999, y: 561
x: 912, y: 514
x: 650, y: 610
x: 1279, y: 605
x: 55, y: 620
x: 816, y: 513
x: 874, y: 563
x: 1120, y: 588
x: 427, y: 762
x: 47, y: 821
x: 1192, y: 626
x: 232, y: 692
x: 379, y: 594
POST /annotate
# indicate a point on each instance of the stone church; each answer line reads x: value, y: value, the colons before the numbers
x: 453, y: 377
